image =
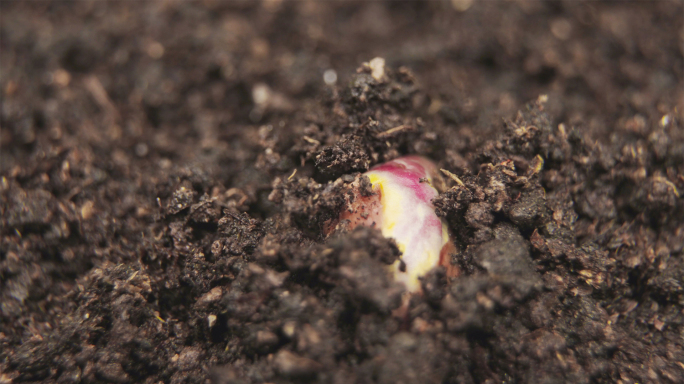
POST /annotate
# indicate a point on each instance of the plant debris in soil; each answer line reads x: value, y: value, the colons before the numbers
x: 168, y: 171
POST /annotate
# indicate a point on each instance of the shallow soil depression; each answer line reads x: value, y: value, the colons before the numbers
x: 173, y: 177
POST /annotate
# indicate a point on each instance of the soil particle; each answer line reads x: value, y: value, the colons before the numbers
x: 411, y: 359
x: 291, y: 365
x: 529, y: 208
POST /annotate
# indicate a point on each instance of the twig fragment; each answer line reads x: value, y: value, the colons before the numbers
x: 292, y: 175
x: 391, y: 131
x: 452, y: 177
x: 311, y: 141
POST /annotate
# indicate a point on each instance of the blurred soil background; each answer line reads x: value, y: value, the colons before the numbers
x: 153, y: 229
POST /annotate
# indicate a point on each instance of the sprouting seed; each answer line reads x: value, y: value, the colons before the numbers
x: 401, y: 207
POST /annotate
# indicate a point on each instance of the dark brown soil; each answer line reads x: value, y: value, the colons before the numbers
x: 153, y: 229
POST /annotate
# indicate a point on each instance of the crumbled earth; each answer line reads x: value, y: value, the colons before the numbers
x: 169, y: 172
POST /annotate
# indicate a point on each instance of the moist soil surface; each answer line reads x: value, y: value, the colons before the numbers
x: 170, y: 170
